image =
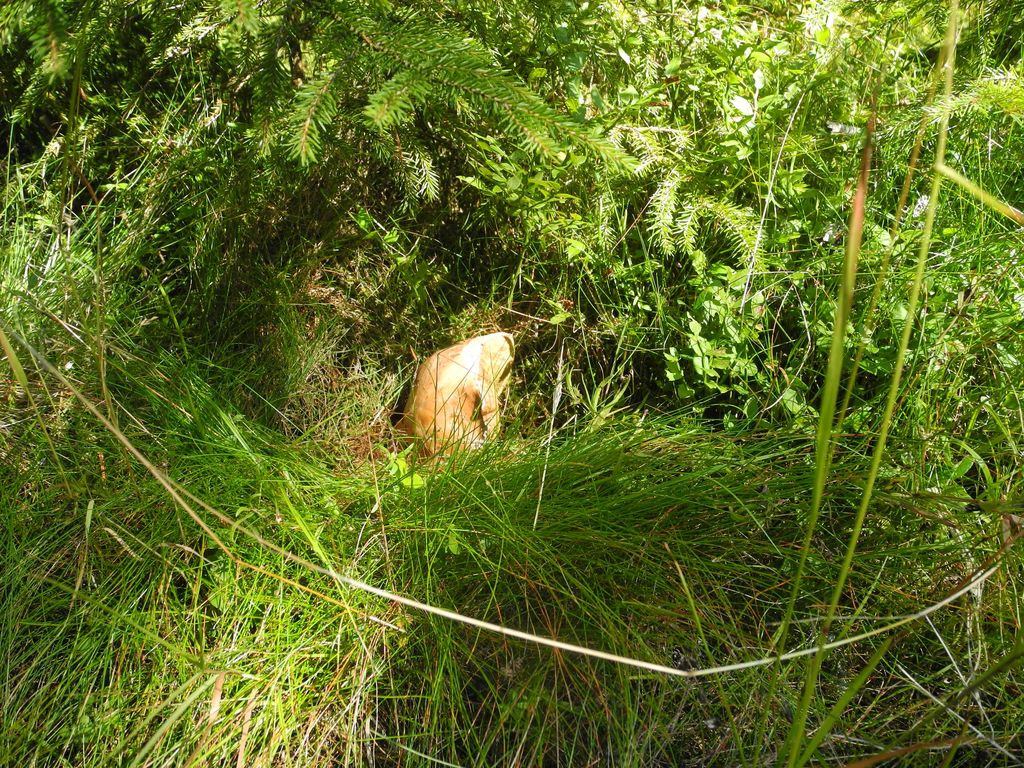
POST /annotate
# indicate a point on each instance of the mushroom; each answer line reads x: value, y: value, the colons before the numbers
x: 455, y: 399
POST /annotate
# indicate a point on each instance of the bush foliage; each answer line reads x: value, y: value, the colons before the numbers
x: 231, y: 228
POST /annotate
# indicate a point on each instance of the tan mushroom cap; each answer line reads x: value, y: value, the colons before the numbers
x: 456, y: 398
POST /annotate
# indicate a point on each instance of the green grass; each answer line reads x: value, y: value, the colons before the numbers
x: 214, y: 552
x: 132, y: 638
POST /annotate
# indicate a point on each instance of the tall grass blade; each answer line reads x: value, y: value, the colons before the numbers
x: 810, y: 683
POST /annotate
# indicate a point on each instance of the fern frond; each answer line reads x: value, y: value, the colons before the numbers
x: 270, y: 81
x: 315, y: 106
x: 676, y: 223
x: 649, y: 151
x: 607, y: 211
x: 678, y: 142
x: 394, y: 102
x: 738, y: 225
x: 662, y: 211
x: 655, y: 146
x: 47, y: 30
x: 685, y: 232
x: 467, y: 69
x: 243, y: 14
x: 995, y: 92
x: 416, y: 168
x: 427, y: 184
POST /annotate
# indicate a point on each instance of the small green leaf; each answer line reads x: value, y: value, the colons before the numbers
x: 453, y: 543
x: 961, y: 469
x: 364, y: 221
x: 792, y: 401
x: 413, y: 480
x: 684, y: 391
x: 742, y: 105
x: 575, y: 248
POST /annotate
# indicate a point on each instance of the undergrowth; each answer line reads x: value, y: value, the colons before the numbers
x: 230, y: 231
x: 133, y: 636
